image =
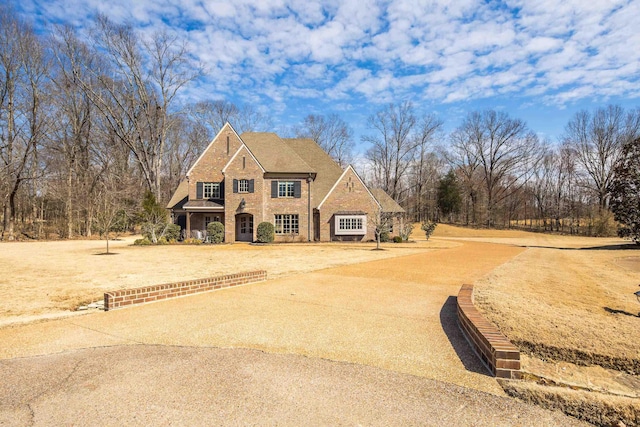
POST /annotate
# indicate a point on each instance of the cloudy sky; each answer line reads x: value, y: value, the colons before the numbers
x: 539, y: 60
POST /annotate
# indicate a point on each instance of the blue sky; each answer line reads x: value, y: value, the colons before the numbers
x: 539, y: 60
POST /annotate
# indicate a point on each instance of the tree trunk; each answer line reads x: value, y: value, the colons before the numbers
x: 68, y: 204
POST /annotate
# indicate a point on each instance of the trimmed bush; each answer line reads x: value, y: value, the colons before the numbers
x: 384, y: 236
x: 172, y: 232
x: 192, y: 242
x: 142, y: 242
x: 397, y: 239
x: 265, y: 232
x: 215, y: 230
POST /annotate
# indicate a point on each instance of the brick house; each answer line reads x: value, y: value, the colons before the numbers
x: 242, y: 180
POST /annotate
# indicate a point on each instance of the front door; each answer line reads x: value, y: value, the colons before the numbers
x: 244, y: 228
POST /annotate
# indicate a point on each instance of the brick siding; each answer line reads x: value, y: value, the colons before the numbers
x: 243, y: 167
x: 128, y: 297
x: 209, y: 167
x: 349, y: 195
x: 495, y: 351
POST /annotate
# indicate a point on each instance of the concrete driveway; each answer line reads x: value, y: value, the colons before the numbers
x: 373, y: 343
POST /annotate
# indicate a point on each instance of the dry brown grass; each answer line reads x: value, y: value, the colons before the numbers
x: 598, y: 409
x: 44, y: 279
x: 568, y: 304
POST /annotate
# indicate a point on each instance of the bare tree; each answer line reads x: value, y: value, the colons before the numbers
x: 214, y: 114
x: 505, y: 152
x: 137, y: 90
x: 331, y: 133
x: 425, y: 167
x: 597, y: 139
x: 23, y: 113
x: 392, y: 146
x: 75, y: 133
x: 186, y: 140
x: 464, y: 160
x: 542, y: 184
x: 381, y: 223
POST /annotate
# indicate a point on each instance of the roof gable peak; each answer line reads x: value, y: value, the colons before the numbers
x: 227, y: 126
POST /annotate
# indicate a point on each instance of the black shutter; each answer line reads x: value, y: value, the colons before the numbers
x: 297, y: 189
x: 198, y: 190
x: 222, y: 189
x: 235, y: 185
x: 251, y: 185
x: 274, y: 189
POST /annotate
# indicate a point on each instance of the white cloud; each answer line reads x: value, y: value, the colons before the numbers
x: 441, y: 51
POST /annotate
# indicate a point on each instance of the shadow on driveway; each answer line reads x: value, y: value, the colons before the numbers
x: 449, y: 322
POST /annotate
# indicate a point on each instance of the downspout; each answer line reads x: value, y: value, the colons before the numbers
x: 309, y: 208
x: 188, y: 234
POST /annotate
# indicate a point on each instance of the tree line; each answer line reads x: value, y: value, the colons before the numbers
x: 494, y: 171
x: 90, y: 124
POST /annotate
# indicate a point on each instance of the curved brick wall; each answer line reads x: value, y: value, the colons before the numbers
x: 128, y: 297
x: 494, y: 349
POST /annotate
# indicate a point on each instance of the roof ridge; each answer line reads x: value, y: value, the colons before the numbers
x: 274, y: 153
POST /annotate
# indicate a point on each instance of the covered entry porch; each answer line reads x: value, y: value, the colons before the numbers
x: 198, y: 216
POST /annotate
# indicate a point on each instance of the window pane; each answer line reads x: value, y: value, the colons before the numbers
x: 211, y: 190
x: 286, y: 224
x: 285, y: 189
x: 350, y: 225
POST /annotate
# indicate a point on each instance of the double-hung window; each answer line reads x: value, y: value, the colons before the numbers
x: 211, y: 190
x: 243, y: 186
x: 285, y: 188
x: 350, y: 225
x: 286, y: 224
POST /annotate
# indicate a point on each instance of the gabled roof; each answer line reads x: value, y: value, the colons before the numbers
x: 349, y: 168
x: 243, y: 146
x: 179, y: 196
x: 386, y: 202
x: 226, y: 125
x: 274, y: 154
x: 328, y: 171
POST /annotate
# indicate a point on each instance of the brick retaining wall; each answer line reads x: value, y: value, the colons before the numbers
x: 128, y: 297
x: 494, y: 349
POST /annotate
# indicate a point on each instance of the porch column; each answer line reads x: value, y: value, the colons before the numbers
x: 188, y: 225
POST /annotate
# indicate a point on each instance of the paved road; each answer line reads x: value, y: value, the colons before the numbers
x: 372, y: 343
x: 162, y: 385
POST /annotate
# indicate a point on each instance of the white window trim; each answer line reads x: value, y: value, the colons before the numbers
x: 350, y: 231
x: 243, y: 186
x: 288, y: 187
x: 211, y: 187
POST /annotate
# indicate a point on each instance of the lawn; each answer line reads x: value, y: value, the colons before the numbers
x: 49, y: 279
